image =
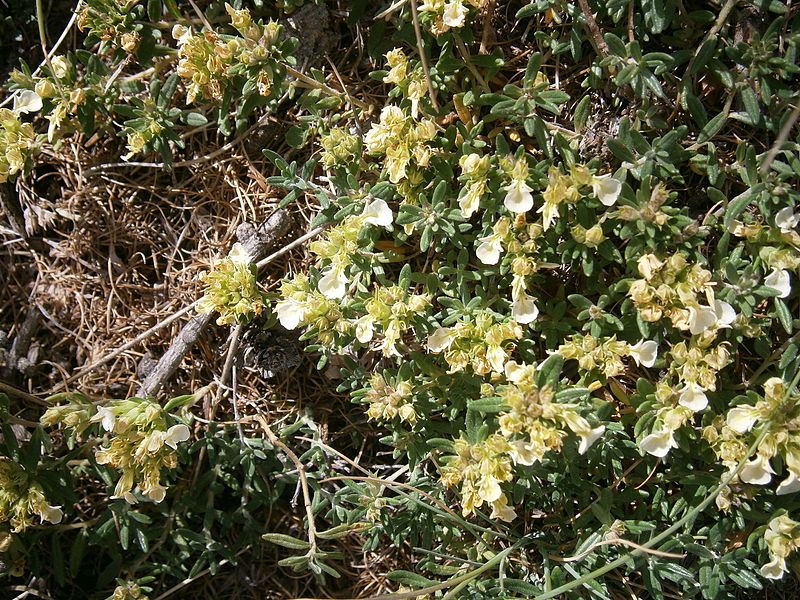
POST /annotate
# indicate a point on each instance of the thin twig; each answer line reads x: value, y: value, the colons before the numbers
x: 594, y: 29
x: 422, y: 56
x: 301, y: 473
x: 783, y: 135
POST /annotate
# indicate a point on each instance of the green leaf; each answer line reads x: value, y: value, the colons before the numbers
x: 712, y: 128
x: 615, y: 45
x: 487, y: 405
x: 581, y: 113
x: 195, y: 119
x: 413, y: 580
x: 287, y: 541
x: 527, y: 11
x: 784, y: 316
x: 736, y: 207
x: 751, y: 106
x: 549, y: 371
x: 572, y: 394
x: 295, y: 137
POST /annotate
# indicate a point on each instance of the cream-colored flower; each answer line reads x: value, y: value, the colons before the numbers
x: 27, y: 101
x: 239, y: 255
x: 606, y: 189
x: 60, y: 67
x: 757, y: 471
x: 365, y: 328
x: 290, y: 312
x: 490, y: 249
x: 518, y: 196
x: 440, y: 339
x: 454, y: 14
x: 693, y: 397
x: 378, y: 213
x: 742, y: 418
x: 725, y: 314
x: 176, y: 434
x: 334, y: 283
x: 644, y: 353
x: 52, y: 514
x: 775, y: 568
x: 701, y: 318
x: 524, y: 309
x: 779, y: 280
x: 659, y: 443
x: 786, y: 219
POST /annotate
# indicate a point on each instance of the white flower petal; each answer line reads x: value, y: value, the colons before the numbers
x: 775, y: 568
x: 693, y: 397
x: 644, y: 353
x: 725, y: 313
x: 52, y: 514
x: 27, y: 101
x: 156, y: 493
x: 742, y: 418
x: 454, y: 14
x: 378, y: 213
x: 786, y: 219
x: 106, y: 417
x: 440, y: 339
x: 589, y: 438
x: 606, y: 189
x: 290, y: 312
x: 365, y: 329
x: 524, y: 309
x: 701, y: 318
x: 518, y: 197
x: 658, y: 443
x: 239, y: 255
x: 779, y: 280
x: 757, y: 471
x: 176, y: 434
x: 333, y: 284
x: 790, y: 485
x: 488, y: 252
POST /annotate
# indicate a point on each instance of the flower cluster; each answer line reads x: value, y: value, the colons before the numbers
x: 143, y: 444
x: 341, y: 243
x: 538, y: 418
x: 402, y: 140
x: 410, y: 82
x: 392, y: 309
x: 22, y: 497
x: 387, y: 402
x: 480, y: 468
x: 302, y: 306
x: 143, y: 441
x: 783, y: 438
x: 695, y: 365
x: 673, y: 288
x: 16, y: 141
x: 339, y: 148
x: 782, y: 538
x: 209, y: 61
x: 475, y: 176
x: 566, y: 188
x: 447, y: 14
x: 128, y: 591
x: 232, y: 289
x: 605, y: 355
x: 76, y: 414
x: 110, y: 21
x: 481, y: 343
